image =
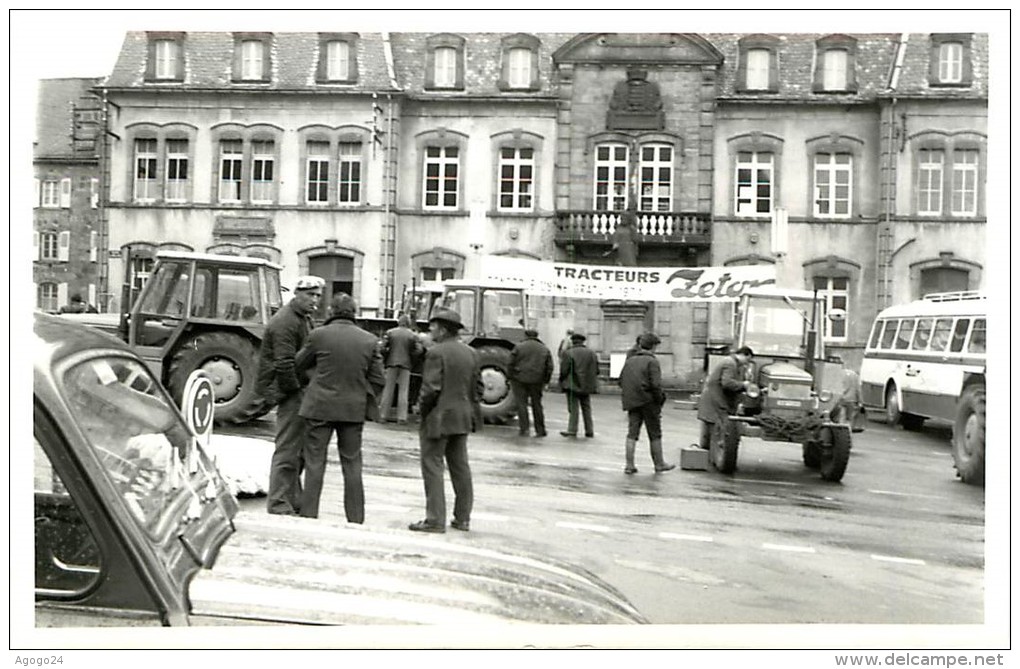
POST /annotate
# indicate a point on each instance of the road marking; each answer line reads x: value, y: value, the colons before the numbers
x: 790, y: 483
x: 685, y: 537
x: 583, y: 526
x: 791, y: 549
x: 904, y: 494
x: 901, y: 560
x: 481, y: 515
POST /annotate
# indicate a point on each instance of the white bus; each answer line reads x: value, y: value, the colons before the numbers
x: 926, y: 359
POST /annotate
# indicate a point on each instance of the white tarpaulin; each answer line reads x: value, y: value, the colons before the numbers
x: 610, y: 282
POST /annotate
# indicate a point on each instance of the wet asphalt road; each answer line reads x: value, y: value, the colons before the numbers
x: 899, y: 540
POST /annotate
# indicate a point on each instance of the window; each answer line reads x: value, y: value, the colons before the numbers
x: 318, y: 173
x: 262, y: 163
x: 950, y: 60
x: 145, y: 170
x: 977, y: 337
x: 446, y: 67
x: 611, y: 162
x: 944, y: 280
x: 438, y: 273
x: 516, y: 179
x: 442, y: 164
x: 252, y: 57
x: 166, y: 59
x: 905, y: 333
x: 758, y: 69
x: 836, y: 292
x: 941, y: 334
x: 929, y: 177
x: 922, y: 335
x: 965, y: 173
x: 519, y: 63
x: 754, y: 183
x: 959, y: 335
x: 48, y: 246
x: 833, y: 185
x: 141, y: 269
x: 338, y: 58
x: 51, y: 193
x: 834, y: 70
x: 656, y: 172
x: 231, y: 159
x: 349, y: 191
x: 444, y: 62
x: 835, y: 65
x: 176, y: 170
x: 520, y: 68
x: 46, y: 297
x: 889, y: 334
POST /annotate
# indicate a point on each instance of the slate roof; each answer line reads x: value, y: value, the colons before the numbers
x: 913, y: 79
x: 54, y: 115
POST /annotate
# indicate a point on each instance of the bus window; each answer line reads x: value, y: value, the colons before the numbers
x: 959, y: 335
x: 922, y: 334
x: 940, y: 337
x: 977, y: 337
x: 889, y: 334
x: 876, y: 334
x: 905, y: 332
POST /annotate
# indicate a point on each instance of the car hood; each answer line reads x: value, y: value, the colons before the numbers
x: 296, y: 570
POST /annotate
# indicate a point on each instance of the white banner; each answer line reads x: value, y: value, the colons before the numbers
x: 611, y: 282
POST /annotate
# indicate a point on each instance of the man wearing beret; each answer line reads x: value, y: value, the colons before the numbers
x: 642, y: 397
x: 531, y: 368
x: 450, y: 408
x: 278, y: 383
x: 579, y: 379
x: 346, y: 379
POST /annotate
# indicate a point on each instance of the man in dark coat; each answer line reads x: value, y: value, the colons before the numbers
x: 643, y: 397
x: 278, y: 383
x: 342, y: 394
x: 625, y: 242
x: 400, y: 348
x: 531, y: 368
x: 719, y: 394
x: 450, y: 408
x: 579, y: 379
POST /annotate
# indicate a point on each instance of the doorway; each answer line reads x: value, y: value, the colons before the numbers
x: 338, y: 273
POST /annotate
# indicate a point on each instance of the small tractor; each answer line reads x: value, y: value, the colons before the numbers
x: 795, y: 392
x: 495, y: 317
x: 202, y: 311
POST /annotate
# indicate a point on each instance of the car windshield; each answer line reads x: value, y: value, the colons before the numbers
x: 139, y: 438
x: 774, y: 326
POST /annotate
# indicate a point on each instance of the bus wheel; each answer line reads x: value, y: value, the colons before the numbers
x: 969, y: 435
x: 892, y: 407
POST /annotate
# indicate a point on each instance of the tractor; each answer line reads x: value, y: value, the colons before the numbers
x: 202, y: 311
x: 495, y: 317
x: 794, y: 395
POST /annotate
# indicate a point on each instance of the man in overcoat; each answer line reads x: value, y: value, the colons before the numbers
x: 400, y: 348
x: 531, y: 368
x: 642, y: 397
x: 579, y: 379
x: 720, y: 391
x: 278, y: 383
x: 450, y: 409
x: 346, y: 378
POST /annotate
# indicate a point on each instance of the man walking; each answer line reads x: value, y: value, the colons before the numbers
x: 643, y: 397
x: 400, y: 348
x: 579, y: 379
x: 719, y: 394
x: 450, y: 408
x: 531, y: 368
x: 341, y: 396
x: 278, y: 383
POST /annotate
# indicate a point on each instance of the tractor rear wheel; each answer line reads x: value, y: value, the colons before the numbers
x: 969, y: 435
x: 231, y: 361
x: 498, y: 403
x: 834, y: 446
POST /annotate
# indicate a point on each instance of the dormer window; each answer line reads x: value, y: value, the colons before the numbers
x: 758, y: 64
x: 444, y: 66
x: 338, y: 62
x: 950, y: 60
x: 519, y: 63
x: 252, y: 61
x: 835, y: 65
x: 165, y: 57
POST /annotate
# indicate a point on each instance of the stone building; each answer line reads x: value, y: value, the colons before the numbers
x: 375, y: 160
x: 65, y: 209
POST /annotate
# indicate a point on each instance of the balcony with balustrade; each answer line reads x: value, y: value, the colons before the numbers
x: 575, y: 229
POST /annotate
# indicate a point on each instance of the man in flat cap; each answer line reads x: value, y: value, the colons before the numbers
x: 579, y: 379
x: 531, y: 368
x: 642, y: 397
x: 346, y: 373
x: 278, y: 383
x: 450, y: 408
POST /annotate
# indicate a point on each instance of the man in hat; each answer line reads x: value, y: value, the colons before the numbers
x: 531, y: 368
x: 643, y: 397
x: 719, y: 394
x: 278, y: 383
x: 450, y: 408
x: 579, y: 379
x: 78, y: 305
x: 346, y: 378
